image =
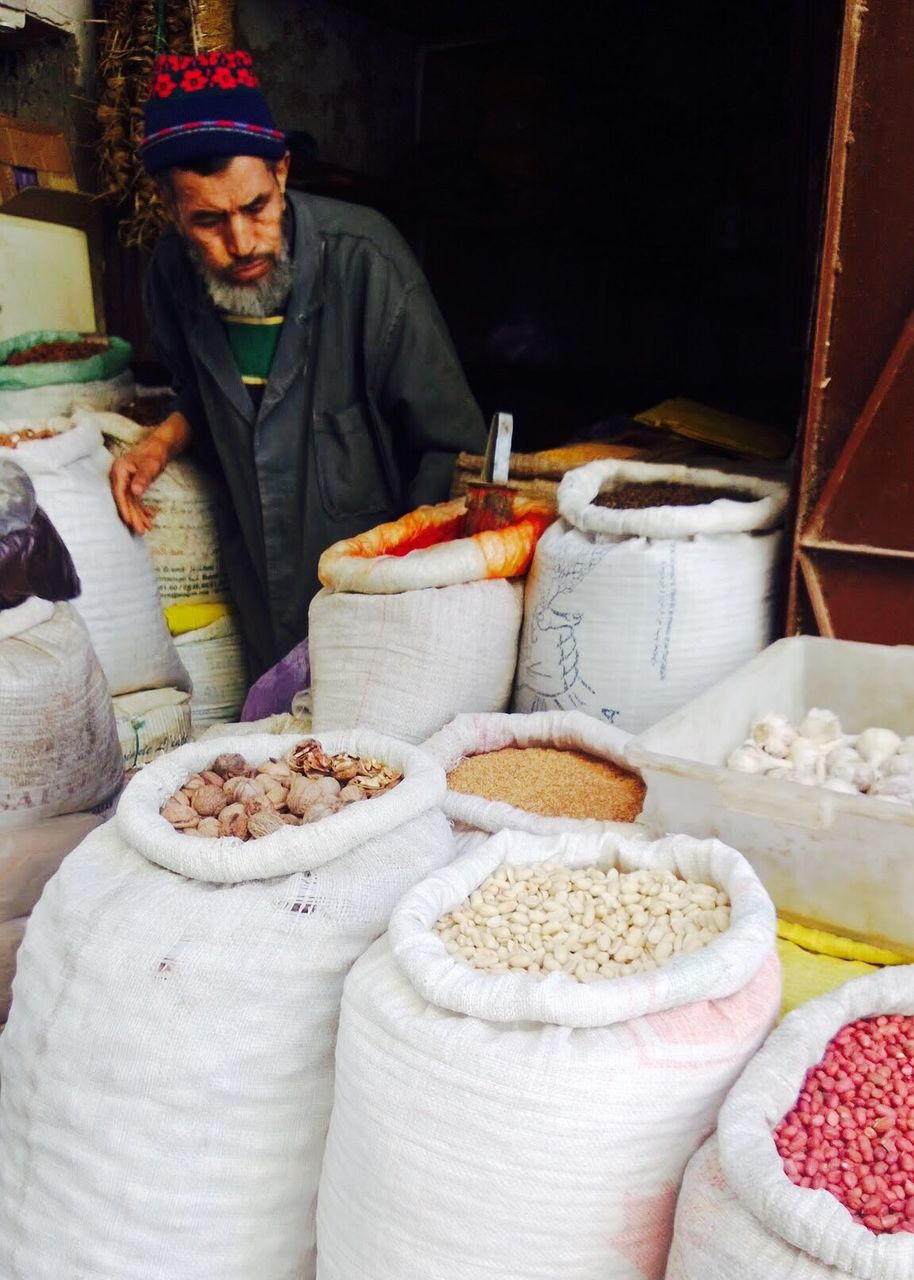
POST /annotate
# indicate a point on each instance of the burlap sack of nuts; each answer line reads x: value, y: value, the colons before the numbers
x: 168, y: 1063
x: 519, y: 1124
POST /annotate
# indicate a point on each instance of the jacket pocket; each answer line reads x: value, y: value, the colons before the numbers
x: 352, y: 478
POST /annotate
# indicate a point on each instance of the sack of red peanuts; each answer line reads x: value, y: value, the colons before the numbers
x: 811, y: 1172
x: 168, y: 1063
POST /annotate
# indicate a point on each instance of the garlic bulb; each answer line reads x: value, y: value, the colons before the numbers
x: 749, y: 758
x: 841, y: 785
x: 804, y: 777
x: 901, y: 764
x: 899, y: 789
x: 876, y: 745
x: 819, y: 725
x: 774, y: 733
x: 808, y: 757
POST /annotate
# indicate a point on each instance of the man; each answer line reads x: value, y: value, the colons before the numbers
x: 311, y: 364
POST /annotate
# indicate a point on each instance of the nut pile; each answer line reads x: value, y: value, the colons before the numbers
x: 552, y: 782
x: 60, y: 349
x: 9, y: 439
x: 851, y: 1131
x: 588, y: 922
x: 233, y: 798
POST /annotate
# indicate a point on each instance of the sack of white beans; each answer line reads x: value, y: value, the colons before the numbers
x: 168, y: 1063
x: 740, y: 1214
x: 520, y: 1124
x: 474, y: 817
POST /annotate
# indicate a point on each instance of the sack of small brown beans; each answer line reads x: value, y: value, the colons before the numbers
x: 167, y: 1066
x: 505, y: 772
x: 521, y: 1120
x: 812, y: 1090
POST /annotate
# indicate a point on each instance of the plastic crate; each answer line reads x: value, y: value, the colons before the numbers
x: 834, y: 861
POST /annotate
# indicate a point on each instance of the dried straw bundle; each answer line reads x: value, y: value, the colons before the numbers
x: 134, y: 31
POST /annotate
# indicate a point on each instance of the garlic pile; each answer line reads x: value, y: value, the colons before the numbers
x: 588, y: 922
x: 818, y: 753
x: 233, y: 798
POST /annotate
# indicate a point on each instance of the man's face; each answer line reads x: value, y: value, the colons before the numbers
x: 233, y: 219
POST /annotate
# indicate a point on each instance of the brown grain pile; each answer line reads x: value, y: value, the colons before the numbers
x: 552, y: 782
x: 666, y: 493
x: 52, y: 352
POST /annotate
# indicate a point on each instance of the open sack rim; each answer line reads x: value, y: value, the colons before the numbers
x: 443, y: 564
x: 228, y: 860
x: 562, y: 730
x: 715, y: 972
x: 579, y: 489
x: 766, y: 1092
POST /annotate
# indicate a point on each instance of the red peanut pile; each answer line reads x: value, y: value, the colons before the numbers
x: 851, y: 1131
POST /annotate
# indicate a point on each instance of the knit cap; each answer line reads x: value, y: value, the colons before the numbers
x: 206, y: 105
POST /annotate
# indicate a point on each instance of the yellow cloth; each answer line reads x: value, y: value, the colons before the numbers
x: 814, y: 962
x: 191, y: 617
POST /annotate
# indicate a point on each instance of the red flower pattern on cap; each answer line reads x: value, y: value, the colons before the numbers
x: 189, y: 73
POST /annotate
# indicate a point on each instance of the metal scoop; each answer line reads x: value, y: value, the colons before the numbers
x: 490, y: 500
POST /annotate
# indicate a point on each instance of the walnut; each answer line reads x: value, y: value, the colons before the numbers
x: 308, y: 756
x: 264, y: 824
x: 303, y: 793
x: 277, y: 769
x: 230, y: 765
x: 179, y: 814
x: 241, y: 790
x: 209, y: 801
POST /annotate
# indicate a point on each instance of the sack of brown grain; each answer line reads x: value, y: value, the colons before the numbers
x: 546, y: 773
x: 656, y: 582
x: 417, y: 623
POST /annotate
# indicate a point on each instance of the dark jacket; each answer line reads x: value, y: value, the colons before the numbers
x: 365, y: 407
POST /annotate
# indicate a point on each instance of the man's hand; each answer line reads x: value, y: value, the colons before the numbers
x: 131, y: 475
x: 134, y: 471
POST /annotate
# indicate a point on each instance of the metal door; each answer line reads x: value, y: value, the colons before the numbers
x: 853, y: 558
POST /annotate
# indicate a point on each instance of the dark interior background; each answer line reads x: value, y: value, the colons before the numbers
x: 613, y: 203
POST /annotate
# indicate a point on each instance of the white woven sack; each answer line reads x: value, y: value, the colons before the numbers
x: 119, y: 602
x: 150, y: 723
x: 630, y: 613
x: 473, y: 735
x: 168, y: 1063
x: 740, y: 1215
x: 408, y: 663
x: 510, y: 1126
x: 37, y: 403
x: 214, y: 659
x: 59, y: 751
x: 183, y: 540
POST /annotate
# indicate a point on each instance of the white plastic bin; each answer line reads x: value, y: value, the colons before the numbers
x: 834, y: 861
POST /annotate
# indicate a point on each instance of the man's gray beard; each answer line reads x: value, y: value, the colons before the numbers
x: 266, y: 297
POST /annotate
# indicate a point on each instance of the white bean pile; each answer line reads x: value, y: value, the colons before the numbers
x: 588, y: 922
